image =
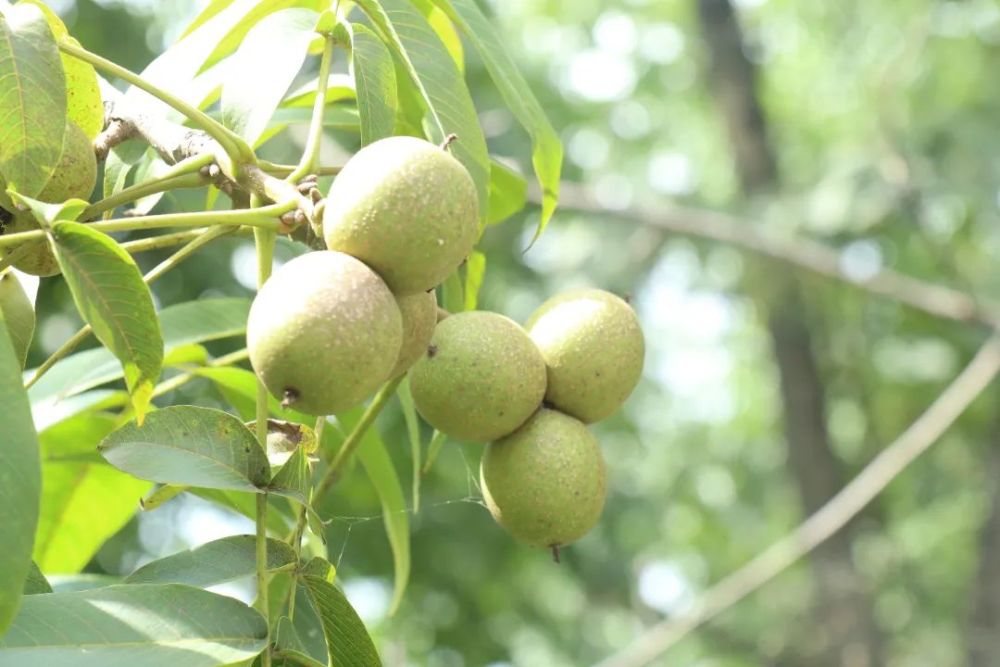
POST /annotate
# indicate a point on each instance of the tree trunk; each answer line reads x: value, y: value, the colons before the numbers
x: 845, y: 633
x: 984, y: 622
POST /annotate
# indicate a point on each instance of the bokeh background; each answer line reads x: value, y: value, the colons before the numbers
x: 870, y: 126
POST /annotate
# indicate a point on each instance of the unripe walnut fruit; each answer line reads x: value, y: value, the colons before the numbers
x: 593, y: 350
x: 74, y: 178
x: 419, y: 313
x: 545, y: 483
x: 480, y: 378
x: 324, y: 332
x: 405, y: 207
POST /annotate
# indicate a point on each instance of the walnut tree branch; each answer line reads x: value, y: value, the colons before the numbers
x: 803, y: 253
x: 825, y: 522
x: 125, y: 119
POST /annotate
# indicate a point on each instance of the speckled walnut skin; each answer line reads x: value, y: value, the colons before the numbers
x: 324, y: 332
x: 480, y: 378
x: 593, y: 349
x: 419, y: 313
x: 74, y: 178
x: 405, y: 207
x: 545, y: 483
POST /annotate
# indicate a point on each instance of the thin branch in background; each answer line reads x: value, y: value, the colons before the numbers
x: 824, y: 523
x: 807, y: 254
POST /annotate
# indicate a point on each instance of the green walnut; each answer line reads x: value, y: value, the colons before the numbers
x: 18, y: 314
x: 419, y: 313
x: 480, y: 378
x: 406, y: 208
x: 74, y: 178
x: 593, y: 349
x: 545, y: 483
x: 324, y: 332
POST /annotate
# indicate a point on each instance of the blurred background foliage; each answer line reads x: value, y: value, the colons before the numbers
x: 765, y: 389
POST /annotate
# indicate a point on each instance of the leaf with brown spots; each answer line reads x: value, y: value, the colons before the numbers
x: 192, y: 446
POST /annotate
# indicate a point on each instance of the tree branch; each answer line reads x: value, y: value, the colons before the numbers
x: 174, y: 142
x: 802, y: 253
x: 824, y: 523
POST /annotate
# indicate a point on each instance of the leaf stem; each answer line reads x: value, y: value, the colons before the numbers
x: 310, y: 155
x: 155, y: 273
x: 433, y: 449
x: 262, y: 571
x: 283, y: 170
x: 265, y: 217
x: 354, y: 439
x: 234, y: 146
x: 176, y: 238
x: 264, y: 241
x: 153, y: 186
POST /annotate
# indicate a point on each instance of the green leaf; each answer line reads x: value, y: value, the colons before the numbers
x: 160, y: 495
x: 46, y: 213
x: 268, y: 60
x: 213, y: 8
x: 293, y: 479
x: 33, y: 99
x: 18, y: 312
x: 83, y: 504
x: 83, y: 95
x: 235, y: 35
x: 124, y: 626
x: 508, y: 192
x: 20, y: 480
x: 287, y: 657
x: 339, y: 116
x: 375, y: 82
x: 203, y: 320
x: 213, y: 563
x: 440, y: 83
x: 149, y: 168
x: 547, y: 153
x: 320, y: 567
x: 181, y: 69
x: 306, y: 632
x: 116, y: 173
x: 290, y: 646
x: 189, y: 445
x: 409, y: 410
x: 111, y: 296
x: 181, y: 324
x: 339, y: 87
x: 70, y: 583
x: 378, y: 465
x: 445, y: 30
x: 475, y: 272
x: 54, y: 411
x: 239, y: 387
x: 84, y: 500
x: 347, y: 638
x: 452, y: 297
x: 36, y: 583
